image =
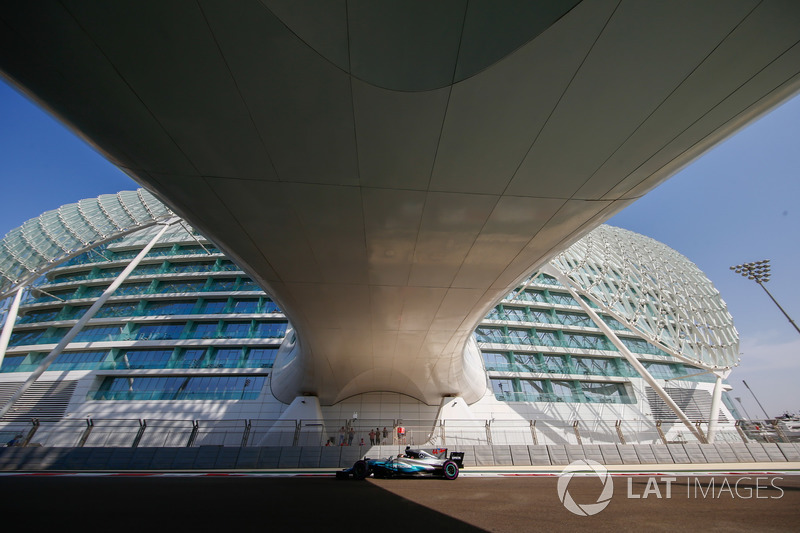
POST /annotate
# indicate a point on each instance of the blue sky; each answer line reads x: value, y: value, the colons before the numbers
x: 739, y: 202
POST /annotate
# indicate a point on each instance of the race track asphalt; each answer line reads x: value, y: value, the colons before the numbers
x: 222, y: 503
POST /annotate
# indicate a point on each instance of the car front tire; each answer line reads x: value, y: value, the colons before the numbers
x: 360, y: 470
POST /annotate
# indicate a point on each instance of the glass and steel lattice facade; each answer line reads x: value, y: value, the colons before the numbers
x: 539, y: 346
x: 185, y: 308
x: 189, y: 335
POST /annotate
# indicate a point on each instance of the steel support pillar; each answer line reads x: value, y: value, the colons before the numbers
x: 82, y: 322
x: 713, y: 417
x: 8, y: 327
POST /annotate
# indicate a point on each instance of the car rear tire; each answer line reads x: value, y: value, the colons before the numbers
x: 360, y: 470
x: 449, y: 470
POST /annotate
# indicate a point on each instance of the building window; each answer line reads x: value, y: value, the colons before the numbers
x: 270, y: 330
x: 533, y: 390
x: 604, y: 392
x: 271, y: 307
x: 132, y: 288
x: 143, y: 358
x: 191, y: 358
x: 546, y: 338
x: 249, y: 305
x: 227, y: 358
x: 514, y: 314
x: 99, y: 333
x: 205, y: 330
x: 116, y: 309
x: 249, y: 285
x: 213, y: 307
x: 179, y: 307
x: 180, y: 388
x: 38, y: 316
x: 223, y: 284
x: 489, y: 334
x: 660, y: 370
x: 160, y: 331
x: 526, y: 362
x: 180, y: 286
x: 555, y: 364
x: 538, y: 315
x: 562, y: 299
x: 497, y: 361
x: 260, y: 357
x: 236, y: 330
x: 563, y: 391
x: 575, y: 319
x: 504, y: 390
x: 146, y: 270
x: 594, y: 366
x: 190, y: 266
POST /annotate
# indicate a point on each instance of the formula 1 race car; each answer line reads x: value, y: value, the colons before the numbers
x: 411, y: 463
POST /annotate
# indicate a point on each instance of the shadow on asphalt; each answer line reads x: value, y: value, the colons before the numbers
x: 206, y: 503
x: 178, y: 504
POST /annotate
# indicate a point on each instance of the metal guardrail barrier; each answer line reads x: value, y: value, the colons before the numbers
x: 350, y: 432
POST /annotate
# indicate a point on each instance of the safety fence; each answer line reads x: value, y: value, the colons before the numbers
x: 351, y: 432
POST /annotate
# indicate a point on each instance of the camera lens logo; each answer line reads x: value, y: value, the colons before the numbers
x: 590, y: 468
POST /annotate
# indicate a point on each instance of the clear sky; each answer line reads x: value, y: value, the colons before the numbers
x: 739, y: 202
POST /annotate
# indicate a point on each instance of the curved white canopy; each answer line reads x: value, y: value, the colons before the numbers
x: 388, y: 170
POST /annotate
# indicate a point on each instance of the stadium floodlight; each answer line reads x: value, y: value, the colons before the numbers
x: 759, y: 271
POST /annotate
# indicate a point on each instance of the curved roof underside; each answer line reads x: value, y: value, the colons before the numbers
x: 655, y: 291
x: 389, y: 170
x: 42, y: 243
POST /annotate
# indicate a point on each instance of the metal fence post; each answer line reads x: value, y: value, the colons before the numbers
x: 779, y: 430
x: 31, y: 432
x: 661, y: 432
x: 577, y: 432
x: 193, y: 435
x: 140, y: 433
x: 618, y: 427
x: 741, y: 431
x: 246, y: 434
x: 86, y: 432
x: 701, y: 435
x: 297, y: 425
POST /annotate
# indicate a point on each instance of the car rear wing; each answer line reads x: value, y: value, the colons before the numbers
x: 457, y: 458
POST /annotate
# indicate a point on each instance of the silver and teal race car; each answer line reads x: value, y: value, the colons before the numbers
x: 411, y: 463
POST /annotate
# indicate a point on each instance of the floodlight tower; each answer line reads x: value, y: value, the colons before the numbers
x: 759, y: 272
